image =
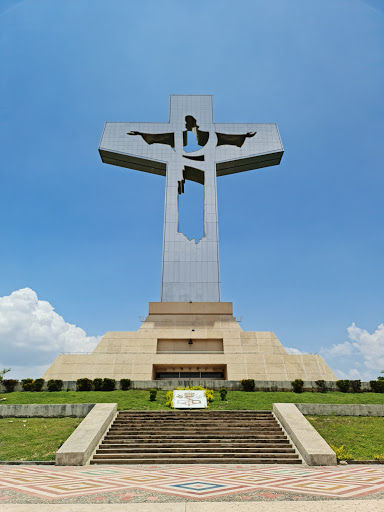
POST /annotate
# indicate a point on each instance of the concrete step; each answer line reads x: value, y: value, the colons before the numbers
x: 214, y: 449
x: 200, y: 460
x: 191, y: 431
x: 263, y: 435
x: 197, y: 424
x: 186, y: 419
x: 183, y: 455
x: 195, y: 437
x: 197, y: 443
x: 196, y: 412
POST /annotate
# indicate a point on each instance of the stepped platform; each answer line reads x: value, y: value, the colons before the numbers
x: 196, y: 437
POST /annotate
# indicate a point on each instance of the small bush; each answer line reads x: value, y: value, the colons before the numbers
x: 38, y: 384
x: 297, y: 385
x: 152, y: 394
x: 377, y: 386
x: 125, y: 384
x: 223, y: 394
x: 98, y: 384
x: 9, y: 384
x: 84, y: 384
x: 343, y: 385
x: 356, y: 386
x: 379, y: 457
x: 341, y: 453
x: 248, y: 384
x: 27, y: 384
x: 169, y: 399
x: 109, y: 384
x: 321, y: 386
x: 54, y: 385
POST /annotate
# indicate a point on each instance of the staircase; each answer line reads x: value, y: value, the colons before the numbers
x: 195, y: 437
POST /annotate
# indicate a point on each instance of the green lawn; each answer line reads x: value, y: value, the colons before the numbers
x: 34, y: 438
x: 39, y: 438
x: 236, y: 400
x: 362, y: 437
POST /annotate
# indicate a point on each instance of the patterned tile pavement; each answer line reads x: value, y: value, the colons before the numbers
x: 117, y: 484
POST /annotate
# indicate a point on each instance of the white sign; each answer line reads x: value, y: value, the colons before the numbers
x: 189, y: 399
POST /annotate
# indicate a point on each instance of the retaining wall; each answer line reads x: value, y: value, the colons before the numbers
x: 44, y: 410
x: 231, y: 385
x: 341, y: 409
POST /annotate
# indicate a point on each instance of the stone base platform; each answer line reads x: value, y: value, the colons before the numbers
x: 184, y: 341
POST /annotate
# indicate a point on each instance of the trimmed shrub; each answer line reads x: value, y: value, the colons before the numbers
x: 297, y: 385
x: 9, y: 384
x: 343, y: 385
x: 152, y: 394
x: 109, y: 384
x: 248, y: 384
x: 98, y: 384
x: 27, y: 384
x: 223, y: 394
x: 377, y: 386
x: 321, y: 386
x: 125, y: 384
x: 84, y: 384
x: 54, y: 385
x: 356, y: 386
x: 38, y: 384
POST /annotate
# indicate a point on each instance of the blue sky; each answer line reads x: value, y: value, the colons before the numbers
x: 301, y: 244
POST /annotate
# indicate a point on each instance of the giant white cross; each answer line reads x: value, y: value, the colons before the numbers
x: 190, y: 269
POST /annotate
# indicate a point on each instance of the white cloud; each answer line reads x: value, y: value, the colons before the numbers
x: 342, y: 349
x: 32, y: 335
x: 294, y: 351
x: 360, y: 358
x: 371, y: 346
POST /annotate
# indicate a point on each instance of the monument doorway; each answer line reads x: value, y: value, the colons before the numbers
x: 173, y: 372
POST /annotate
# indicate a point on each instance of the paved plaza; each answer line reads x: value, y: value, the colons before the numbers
x: 169, y: 484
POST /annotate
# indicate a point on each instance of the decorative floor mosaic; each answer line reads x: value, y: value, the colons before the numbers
x: 200, y: 482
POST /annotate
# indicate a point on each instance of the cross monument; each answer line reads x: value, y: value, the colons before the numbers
x: 190, y: 270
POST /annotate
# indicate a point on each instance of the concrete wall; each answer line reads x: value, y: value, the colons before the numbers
x: 341, y: 409
x: 79, y: 447
x: 44, y: 410
x: 311, y: 446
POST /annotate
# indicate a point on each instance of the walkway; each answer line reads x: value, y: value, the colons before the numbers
x: 181, y: 485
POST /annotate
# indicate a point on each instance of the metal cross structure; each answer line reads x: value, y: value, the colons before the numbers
x: 190, y: 269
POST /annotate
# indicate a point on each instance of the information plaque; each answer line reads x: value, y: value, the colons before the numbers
x: 189, y: 399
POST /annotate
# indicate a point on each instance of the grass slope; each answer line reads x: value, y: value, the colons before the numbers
x: 236, y: 400
x: 362, y: 437
x: 34, y: 438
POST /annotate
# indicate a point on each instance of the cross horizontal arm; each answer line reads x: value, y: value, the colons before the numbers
x: 133, y: 162
x: 248, y: 164
x: 126, y: 145
x: 264, y: 149
x: 121, y: 146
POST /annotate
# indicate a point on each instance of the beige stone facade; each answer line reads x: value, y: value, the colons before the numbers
x: 187, y: 339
